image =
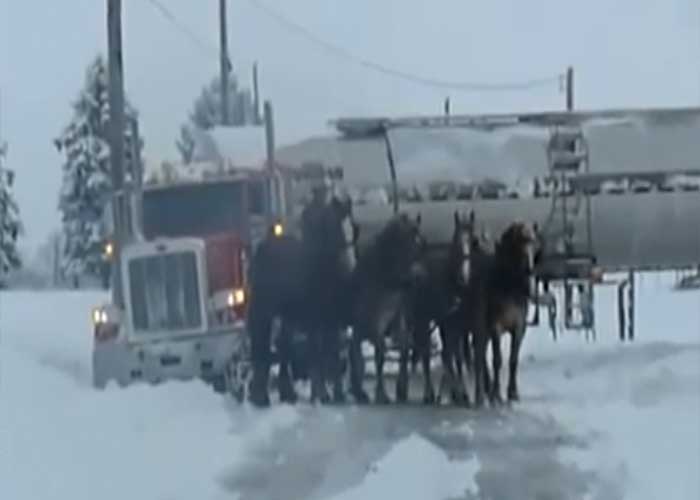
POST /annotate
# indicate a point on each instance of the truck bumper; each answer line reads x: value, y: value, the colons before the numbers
x: 202, y: 356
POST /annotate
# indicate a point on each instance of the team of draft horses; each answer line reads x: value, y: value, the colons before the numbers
x: 397, y: 286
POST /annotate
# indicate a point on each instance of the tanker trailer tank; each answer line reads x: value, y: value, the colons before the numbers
x: 633, y: 198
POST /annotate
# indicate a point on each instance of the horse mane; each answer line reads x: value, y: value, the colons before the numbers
x: 510, y: 272
x: 376, y: 258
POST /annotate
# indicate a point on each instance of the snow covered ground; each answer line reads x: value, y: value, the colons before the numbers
x: 598, y: 421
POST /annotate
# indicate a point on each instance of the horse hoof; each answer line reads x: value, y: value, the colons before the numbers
x: 381, y: 398
x: 260, y: 400
x: 323, y: 398
x: 456, y: 398
x: 401, y: 395
x: 320, y: 399
x: 496, y: 400
x: 289, y: 397
x: 338, y: 396
x: 513, y: 396
x: 361, y: 397
x: 429, y: 398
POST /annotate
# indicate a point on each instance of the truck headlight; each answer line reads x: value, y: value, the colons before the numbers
x: 236, y: 297
x: 108, y: 251
x: 99, y: 316
x: 277, y: 229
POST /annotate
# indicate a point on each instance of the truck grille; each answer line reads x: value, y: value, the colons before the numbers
x: 165, y: 292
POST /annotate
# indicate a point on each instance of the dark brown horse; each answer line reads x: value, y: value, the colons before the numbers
x: 303, y: 283
x: 385, y: 273
x: 502, y: 285
x: 470, y: 250
x: 438, y: 298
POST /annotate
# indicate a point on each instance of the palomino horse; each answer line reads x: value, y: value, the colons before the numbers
x: 502, y: 285
x: 301, y: 281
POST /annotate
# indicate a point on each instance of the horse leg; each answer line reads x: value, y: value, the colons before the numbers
x: 284, y: 349
x: 461, y: 388
x: 480, y: 342
x: 495, y: 394
x: 318, y: 383
x: 403, y: 334
x: 485, y: 373
x: 468, y: 353
x: 423, y: 348
x: 380, y: 395
x: 453, y: 368
x: 402, y: 381
x: 260, y: 354
x: 415, y: 357
x: 334, y: 366
x: 357, y: 368
x: 447, y: 378
x: 517, y: 336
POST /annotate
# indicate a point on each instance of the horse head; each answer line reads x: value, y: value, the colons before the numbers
x: 517, y: 247
x: 343, y: 233
x: 404, y: 247
x: 464, y: 241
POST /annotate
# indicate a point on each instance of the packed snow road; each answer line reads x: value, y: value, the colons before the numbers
x: 598, y: 421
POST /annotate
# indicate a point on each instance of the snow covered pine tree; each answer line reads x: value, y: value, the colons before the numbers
x: 10, y: 223
x: 206, y: 113
x: 86, y: 183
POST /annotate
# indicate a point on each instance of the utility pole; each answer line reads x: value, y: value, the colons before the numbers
x: 225, y: 63
x: 116, y: 146
x: 269, y: 133
x: 570, y: 88
x: 137, y: 179
x: 256, y: 95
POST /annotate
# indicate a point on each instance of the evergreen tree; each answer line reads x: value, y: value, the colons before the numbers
x: 10, y: 223
x: 206, y: 113
x: 86, y: 183
x: 185, y: 144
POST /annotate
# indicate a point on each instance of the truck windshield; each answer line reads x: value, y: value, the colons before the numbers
x: 201, y: 209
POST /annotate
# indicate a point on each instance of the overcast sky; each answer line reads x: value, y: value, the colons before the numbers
x: 641, y: 53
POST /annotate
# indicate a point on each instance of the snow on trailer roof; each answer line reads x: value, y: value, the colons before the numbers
x: 373, y: 126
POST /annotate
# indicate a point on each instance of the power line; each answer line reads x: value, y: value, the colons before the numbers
x: 336, y: 50
x: 204, y: 45
x: 430, y: 82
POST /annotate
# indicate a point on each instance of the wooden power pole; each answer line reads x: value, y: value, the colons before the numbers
x: 225, y: 63
x: 269, y: 134
x: 569, y: 88
x: 256, y: 96
x: 116, y: 142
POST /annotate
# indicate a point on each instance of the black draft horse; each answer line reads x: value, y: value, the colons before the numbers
x: 301, y: 281
x: 501, y: 286
x: 439, y: 298
x: 387, y: 269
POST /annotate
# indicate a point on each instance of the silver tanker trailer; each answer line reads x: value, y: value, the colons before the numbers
x: 636, y: 190
x: 617, y: 190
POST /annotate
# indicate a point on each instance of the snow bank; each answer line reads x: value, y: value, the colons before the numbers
x: 416, y: 469
x: 61, y: 439
x: 636, y: 405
